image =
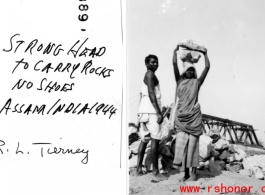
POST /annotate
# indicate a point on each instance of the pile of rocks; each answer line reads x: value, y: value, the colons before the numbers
x: 165, y: 152
x: 254, y: 166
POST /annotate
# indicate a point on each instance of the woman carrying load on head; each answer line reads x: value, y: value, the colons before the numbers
x: 186, y: 114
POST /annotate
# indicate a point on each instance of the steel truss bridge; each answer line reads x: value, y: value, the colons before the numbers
x: 237, y: 133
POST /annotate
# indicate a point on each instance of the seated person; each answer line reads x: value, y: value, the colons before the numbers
x: 222, y: 149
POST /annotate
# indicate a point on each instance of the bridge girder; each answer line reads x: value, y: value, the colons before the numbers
x: 240, y: 130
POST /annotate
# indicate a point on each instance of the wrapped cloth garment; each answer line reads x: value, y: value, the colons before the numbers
x: 146, y: 107
x: 221, y: 144
x: 186, y: 114
x: 186, y: 118
x: 147, y: 117
x: 186, y: 150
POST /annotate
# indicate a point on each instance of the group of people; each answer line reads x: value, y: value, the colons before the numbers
x: 186, y: 117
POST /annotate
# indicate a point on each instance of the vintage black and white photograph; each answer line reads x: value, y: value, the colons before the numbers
x: 195, y: 96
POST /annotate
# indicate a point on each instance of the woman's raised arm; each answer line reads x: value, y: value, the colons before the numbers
x: 175, y: 64
x: 206, y: 69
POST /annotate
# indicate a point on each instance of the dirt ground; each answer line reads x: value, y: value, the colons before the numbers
x: 142, y: 185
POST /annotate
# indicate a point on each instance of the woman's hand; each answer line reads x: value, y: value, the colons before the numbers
x: 203, y: 52
x: 177, y: 48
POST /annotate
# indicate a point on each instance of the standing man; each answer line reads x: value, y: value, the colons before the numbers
x: 150, y: 117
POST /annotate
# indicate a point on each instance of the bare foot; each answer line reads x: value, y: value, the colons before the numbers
x: 158, y: 177
x: 192, y: 178
x: 137, y: 173
x: 183, y: 179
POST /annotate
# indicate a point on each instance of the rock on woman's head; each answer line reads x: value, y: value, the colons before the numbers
x: 190, y: 56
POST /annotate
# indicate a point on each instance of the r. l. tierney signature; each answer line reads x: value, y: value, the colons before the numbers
x: 49, y: 150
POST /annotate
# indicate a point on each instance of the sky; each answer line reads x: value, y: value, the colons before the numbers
x: 233, y: 33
